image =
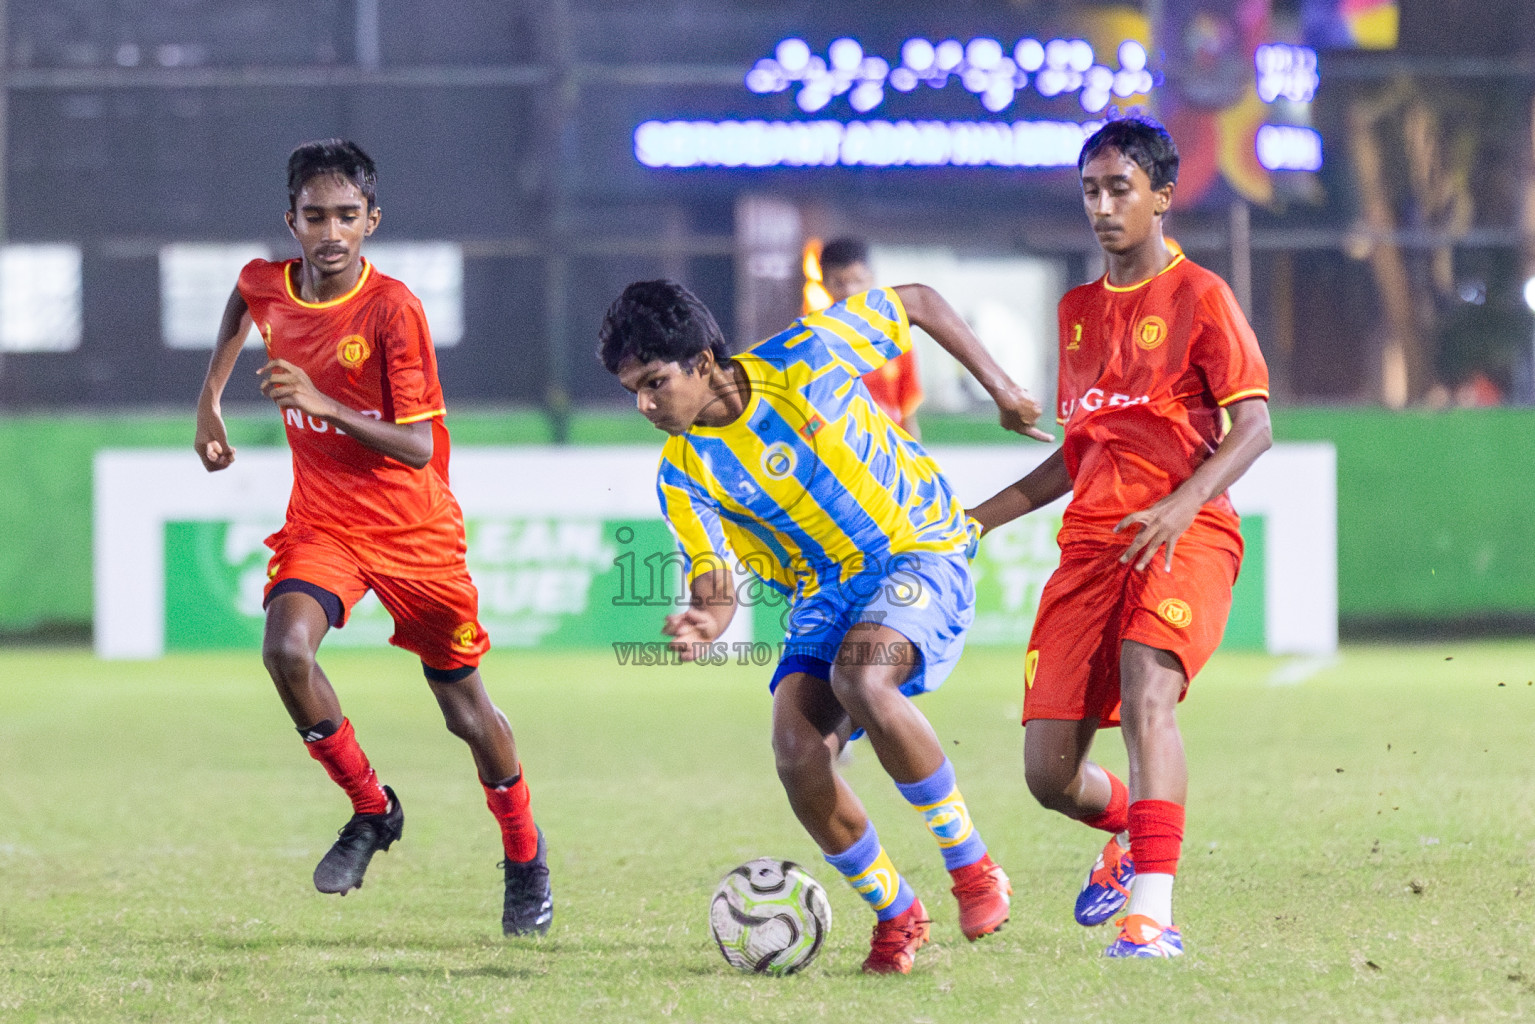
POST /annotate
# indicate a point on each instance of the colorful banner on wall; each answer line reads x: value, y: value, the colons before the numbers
x: 568, y: 552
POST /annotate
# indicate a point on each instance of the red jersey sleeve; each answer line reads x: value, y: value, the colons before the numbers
x: 909, y: 383
x: 411, y: 364
x: 1225, y: 349
x: 255, y: 285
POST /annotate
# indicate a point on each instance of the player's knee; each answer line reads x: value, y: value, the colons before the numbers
x: 1145, y: 713
x: 463, y: 722
x: 288, y: 658
x: 799, y: 757
x: 858, y: 689
x: 1051, y: 786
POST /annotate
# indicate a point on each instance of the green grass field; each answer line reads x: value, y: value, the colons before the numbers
x: 1359, y: 849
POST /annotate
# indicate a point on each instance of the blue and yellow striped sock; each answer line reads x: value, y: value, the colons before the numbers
x: 938, y: 800
x: 868, y: 870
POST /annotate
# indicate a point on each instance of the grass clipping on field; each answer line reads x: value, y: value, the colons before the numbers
x: 1358, y: 849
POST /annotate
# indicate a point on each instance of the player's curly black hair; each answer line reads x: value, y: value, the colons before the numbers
x: 658, y: 320
x: 844, y: 252
x: 332, y: 156
x: 1143, y: 141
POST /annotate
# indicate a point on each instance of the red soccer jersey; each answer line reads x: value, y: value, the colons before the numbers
x: 371, y: 351
x: 896, y: 387
x: 1144, y: 372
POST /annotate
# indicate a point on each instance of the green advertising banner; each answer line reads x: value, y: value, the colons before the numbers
x: 590, y: 582
x: 551, y: 582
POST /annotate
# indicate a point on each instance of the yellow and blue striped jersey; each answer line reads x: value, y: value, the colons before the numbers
x: 812, y: 481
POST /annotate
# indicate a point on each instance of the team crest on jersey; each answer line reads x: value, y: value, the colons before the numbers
x: 1030, y: 668
x: 813, y: 426
x: 266, y: 336
x: 1176, y: 613
x: 464, y: 636
x: 1151, y: 332
x: 779, y: 460
x: 352, y: 351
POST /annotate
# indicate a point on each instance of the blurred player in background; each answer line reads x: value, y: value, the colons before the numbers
x: 779, y: 456
x: 896, y: 386
x: 350, y: 364
x: 1151, y: 357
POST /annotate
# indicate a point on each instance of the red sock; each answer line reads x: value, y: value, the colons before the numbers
x: 348, y: 766
x: 512, y: 806
x: 1115, y: 817
x: 1156, y: 836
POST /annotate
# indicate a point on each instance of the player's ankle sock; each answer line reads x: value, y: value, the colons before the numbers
x: 1151, y: 894
x: 938, y: 800
x: 1156, y: 842
x: 348, y: 767
x: 1116, y: 816
x: 318, y: 731
x: 868, y: 870
x: 511, y: 804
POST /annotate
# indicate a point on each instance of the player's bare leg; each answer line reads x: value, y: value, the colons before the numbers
x: 809, y: 727
x: 1057, y: 770
x: 1151, y: 681
x: 469, y: 714
x: 1062, y: 778
x: 873, y: 662
x: 295, y: 625
x: 900, y: 734
x: 467, y: 710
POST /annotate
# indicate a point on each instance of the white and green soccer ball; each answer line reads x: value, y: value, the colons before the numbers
x: 769, y: 916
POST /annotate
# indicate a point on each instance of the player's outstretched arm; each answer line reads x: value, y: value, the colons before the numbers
x: 1163, y: 523
x: 211, y: 442
x: 932, y: 312
x: 1045, y: 482
x: 290, y: 387
x: 711, y: 607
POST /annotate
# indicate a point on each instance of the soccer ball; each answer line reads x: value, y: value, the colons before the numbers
x: 769, y: 916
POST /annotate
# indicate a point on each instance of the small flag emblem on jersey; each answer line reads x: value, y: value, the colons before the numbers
x: 352, y: 351
x: 813, y: 426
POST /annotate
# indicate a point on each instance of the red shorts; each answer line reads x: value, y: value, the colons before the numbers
x: 1092, y: 603
x: 436, y: 619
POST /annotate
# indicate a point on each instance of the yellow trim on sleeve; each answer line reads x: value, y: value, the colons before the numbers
x: 362, y: 279
x: 421, y: 416
x: 1262, y: 393
x: 1141, y: 284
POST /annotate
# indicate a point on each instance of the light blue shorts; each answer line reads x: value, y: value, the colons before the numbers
x: 927, y: 598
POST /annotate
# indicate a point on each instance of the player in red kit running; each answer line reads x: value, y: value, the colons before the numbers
x: 1152, y: 356
x: 896, y: 387
x: 351, y: 366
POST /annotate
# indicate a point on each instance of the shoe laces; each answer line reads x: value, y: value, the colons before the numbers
x: 365, y: 826
x: 1132, y: 928
x: 1108, y: 874
x: 895, y: 935
x: 977, y: 884
x: 525, y: 878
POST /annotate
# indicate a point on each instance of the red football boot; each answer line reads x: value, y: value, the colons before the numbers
x: 896, y: 941
x: 982, y: 889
